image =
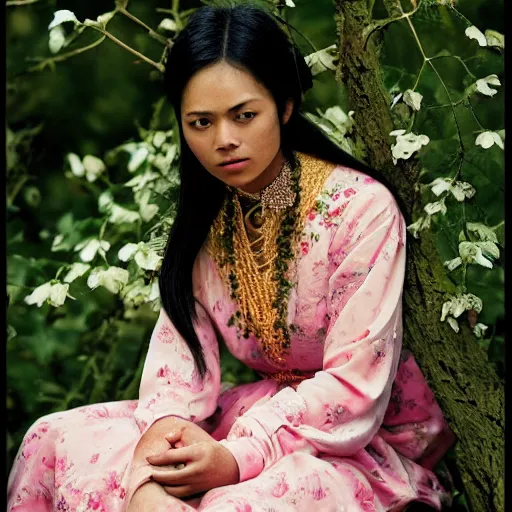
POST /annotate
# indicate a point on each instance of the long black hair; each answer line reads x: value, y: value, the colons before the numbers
x: 251, y: 39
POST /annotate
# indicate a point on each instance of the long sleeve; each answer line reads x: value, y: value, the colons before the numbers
x: 340, y: 409
x: 171, y: 385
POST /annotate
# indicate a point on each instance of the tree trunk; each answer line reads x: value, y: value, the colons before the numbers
x: 467, y: 387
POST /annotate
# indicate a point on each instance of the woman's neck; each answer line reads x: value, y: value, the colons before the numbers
x: 267, y: 176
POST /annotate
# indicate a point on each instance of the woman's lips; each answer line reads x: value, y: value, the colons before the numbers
x: 236, y: 165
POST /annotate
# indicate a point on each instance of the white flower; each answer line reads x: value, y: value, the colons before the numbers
x: 105, y: 201
x: 440, y: 185
x: 147, y: 211
x: 93, y: 167
x: 483, y: 232
x: 436, y: 207
x: 453, y: 264
x: 120, y: 215
x: 137, y: 158
x: 58, y: 294
x: 155, y: 291
x: 143, y: 255
x: 89, y: 248
x: 473, y: 33
x: 171, y: 152
x: 127, y: 252
x: 90, y: 166
x: 39, y: 295
x: 488, y: 139
x: 482, y: 85
x: 471, y: 253
x: 104, y: 18
x: 76, y: 270
x: 163, y: 161
x: 342, y: 121
x: 413, y: 99
x: 489, y: 249
x: 322, y: 60
x: 396, y: 99
x: 160, y: 162
x: 62, y: 16
x: 421, y: 224
x: 113, y: 279
x: 159, y: 138
x: 459, y: 189
x: 453, y: 323
x: 56, y: 242
x: 494, y: 38
x: 462, y: 190
x: 479, y: 330
x: 406, y: 144
x: 54, y: 293
x: 154, y: 296
x: 456, y: 305
x: 57, y: 39
x: 167, y: 24
x: 77, y: 167
x: 136, y: 293
x: 141, y: 180
x: 289, y: 3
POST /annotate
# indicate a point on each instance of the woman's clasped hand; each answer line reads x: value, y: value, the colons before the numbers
x: 193, y: 464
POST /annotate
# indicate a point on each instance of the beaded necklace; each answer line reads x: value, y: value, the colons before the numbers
x: 279, y: 194
x: 254, y: 251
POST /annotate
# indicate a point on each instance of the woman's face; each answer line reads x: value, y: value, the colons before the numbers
x: 227, y: 116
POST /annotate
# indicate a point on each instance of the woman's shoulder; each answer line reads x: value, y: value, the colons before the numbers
x: 342, y: 183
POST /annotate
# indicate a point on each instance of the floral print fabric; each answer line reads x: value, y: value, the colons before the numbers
x: 362, y: 433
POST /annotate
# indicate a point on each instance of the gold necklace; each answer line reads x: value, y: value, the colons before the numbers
x: 253, y: 270
x: 276, y: 195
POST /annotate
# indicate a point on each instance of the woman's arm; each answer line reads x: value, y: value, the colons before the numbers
x: 172, y: 394
x: 340, y: 409
x: 171, y: 385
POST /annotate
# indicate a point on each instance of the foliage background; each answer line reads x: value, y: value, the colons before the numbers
x: 92, y: 349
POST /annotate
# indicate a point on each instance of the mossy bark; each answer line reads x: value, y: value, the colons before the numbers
x: 467, y: 387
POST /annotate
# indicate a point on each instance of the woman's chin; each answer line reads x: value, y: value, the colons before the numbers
x: 237, y: 181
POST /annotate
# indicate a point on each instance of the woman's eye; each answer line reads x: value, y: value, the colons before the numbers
x: 200, y: 123
x: 246, y: 116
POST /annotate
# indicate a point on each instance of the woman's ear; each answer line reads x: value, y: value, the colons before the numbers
x: 288, y: 110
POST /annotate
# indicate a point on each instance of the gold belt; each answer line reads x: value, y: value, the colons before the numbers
x: 288, y: 377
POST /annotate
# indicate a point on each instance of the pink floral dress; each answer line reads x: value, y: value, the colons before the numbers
x: 361, y: 433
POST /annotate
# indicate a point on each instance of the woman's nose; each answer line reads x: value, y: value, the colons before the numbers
x: 226, y: 136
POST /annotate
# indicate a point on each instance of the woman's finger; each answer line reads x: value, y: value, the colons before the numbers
x: 181, y: 491
x: 173, y: 456
x: 162, y: 459
x: 174, y: 436
x: 183, y: 476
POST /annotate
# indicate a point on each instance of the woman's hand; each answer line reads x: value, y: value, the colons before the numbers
x: 208, y: 464
x: 153, y: 441
x: 187, y: 434
x: 156, y: 441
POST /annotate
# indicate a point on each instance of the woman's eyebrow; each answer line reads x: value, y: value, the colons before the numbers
x: 231, y: 109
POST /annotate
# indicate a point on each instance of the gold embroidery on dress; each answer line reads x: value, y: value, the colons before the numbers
x: 255, y: 253
x: 288, y: 377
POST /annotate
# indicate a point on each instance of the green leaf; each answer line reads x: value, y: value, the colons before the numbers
x: 11, y: 333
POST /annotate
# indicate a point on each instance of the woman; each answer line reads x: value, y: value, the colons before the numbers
x: 293, y: 258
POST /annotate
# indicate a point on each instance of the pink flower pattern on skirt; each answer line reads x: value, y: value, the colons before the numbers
x: 361, y: 433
